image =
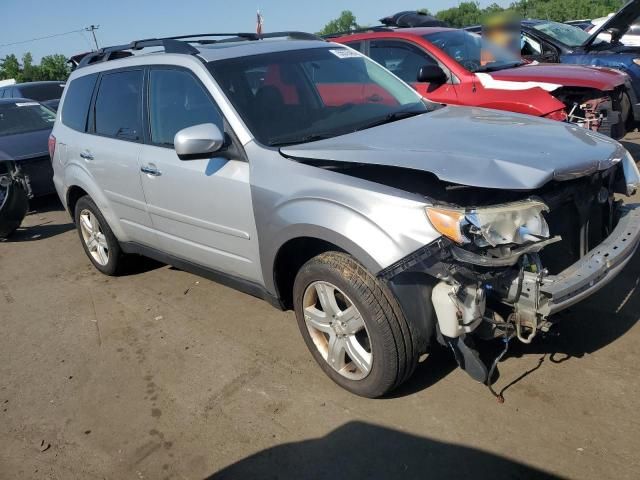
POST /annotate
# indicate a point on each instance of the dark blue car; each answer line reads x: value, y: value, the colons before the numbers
x: 553, y: 42
x: 25, y: 127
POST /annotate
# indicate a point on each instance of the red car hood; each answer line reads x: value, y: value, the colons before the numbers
x: 565, y: 75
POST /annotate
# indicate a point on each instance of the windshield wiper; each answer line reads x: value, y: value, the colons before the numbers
x: 285, y: 140
x: 392, y: 117
x: 495, y: 68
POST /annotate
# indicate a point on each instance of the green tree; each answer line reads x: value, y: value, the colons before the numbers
x: 30, y: 72
x: 345, y: 22
x: 10, y: 68
x: 54, y: 67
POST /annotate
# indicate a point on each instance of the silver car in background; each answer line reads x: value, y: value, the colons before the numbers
x: 303, y: 173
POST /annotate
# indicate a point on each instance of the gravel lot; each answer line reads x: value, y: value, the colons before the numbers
x: 161, y: 374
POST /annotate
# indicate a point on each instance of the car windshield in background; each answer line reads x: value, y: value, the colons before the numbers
x: 49, y: 91
x: 24, y: 117
x: 563, y: 33
x: 304, y: 95
x: 472, y: 51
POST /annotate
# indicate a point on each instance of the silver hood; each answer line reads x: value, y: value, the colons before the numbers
x: 475, y: 147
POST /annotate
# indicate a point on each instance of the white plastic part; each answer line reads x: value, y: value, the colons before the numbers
x: 459, y: 309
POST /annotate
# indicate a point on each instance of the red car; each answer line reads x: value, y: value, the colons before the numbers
x: 461, y: 68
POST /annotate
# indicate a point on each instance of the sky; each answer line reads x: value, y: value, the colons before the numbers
x: 122, y: 21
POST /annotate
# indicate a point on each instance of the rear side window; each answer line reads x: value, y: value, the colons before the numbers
x: 118, y: 107
x: 77, y: 101
x: 176, y: 101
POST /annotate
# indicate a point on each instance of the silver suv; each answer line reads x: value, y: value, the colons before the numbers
x: 305, y: 174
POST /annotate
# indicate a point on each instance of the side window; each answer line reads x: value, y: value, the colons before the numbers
x: 118, y: 108
x: 176, y: 101
x: 77, y: 101
x: 401, y: 58
x: 355, y: 45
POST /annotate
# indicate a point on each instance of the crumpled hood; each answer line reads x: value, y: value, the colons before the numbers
x: 25, y: 145
x: 475, y: 147
x: 563, y: 75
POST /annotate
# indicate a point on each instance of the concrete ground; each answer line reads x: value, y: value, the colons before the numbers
x: 163, y: 375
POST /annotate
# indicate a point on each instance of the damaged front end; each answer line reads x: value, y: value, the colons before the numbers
x: 603, y: 112
x: 503, y: 271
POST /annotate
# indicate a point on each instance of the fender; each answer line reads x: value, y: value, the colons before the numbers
x: 371, y: 241
x: 535, y: 102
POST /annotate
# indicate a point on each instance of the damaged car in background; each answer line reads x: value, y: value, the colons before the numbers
x: 457, y: 67
x: 386, y: 222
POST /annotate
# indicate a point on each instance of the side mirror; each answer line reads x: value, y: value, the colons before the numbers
x: 199, y: 141
x: 432, y: 74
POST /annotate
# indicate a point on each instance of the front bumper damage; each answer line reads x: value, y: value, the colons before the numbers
x: 542, y: 296
x: 509, y: 298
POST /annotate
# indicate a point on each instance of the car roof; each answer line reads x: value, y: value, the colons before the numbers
x: 227, y: 50
x: 35, y: 84
x: 417, y: 31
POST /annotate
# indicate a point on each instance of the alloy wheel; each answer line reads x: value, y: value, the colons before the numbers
x: 337, y: 330
x: 94, y: 237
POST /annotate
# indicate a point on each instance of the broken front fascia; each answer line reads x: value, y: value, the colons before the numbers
x: 506, y: 267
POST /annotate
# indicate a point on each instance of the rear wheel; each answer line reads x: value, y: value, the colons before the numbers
x: 14, y: 205
x: 353, y: 325
x: 98, y: 241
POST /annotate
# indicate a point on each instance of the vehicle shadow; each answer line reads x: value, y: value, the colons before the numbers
x: 388, y: 454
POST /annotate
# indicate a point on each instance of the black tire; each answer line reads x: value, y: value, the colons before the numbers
x: 392, y: 345
x: 14, y: 205
x: 115, y: 257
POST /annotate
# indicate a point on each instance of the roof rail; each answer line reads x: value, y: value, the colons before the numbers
x: 380, y: 28
x: 182, y: 44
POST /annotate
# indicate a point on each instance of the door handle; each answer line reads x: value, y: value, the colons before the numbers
x: 149, y: 170
x: 86, y: 155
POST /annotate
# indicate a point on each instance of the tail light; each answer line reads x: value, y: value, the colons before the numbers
x: 52, y: 146
x: 559, y: 115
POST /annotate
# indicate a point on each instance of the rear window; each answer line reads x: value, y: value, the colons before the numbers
x: 24, y: 117
x: 48, y: 91
x: 118, y: 110
x: 77, y: 101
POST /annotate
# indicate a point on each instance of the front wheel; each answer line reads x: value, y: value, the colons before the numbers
x: 14, y: 205
x: 353, y: 325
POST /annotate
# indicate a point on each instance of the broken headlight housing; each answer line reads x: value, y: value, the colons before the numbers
x: 514, y: 223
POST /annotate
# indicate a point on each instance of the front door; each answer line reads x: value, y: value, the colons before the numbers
x: 201, y: 209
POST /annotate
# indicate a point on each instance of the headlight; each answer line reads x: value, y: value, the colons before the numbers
x: 631, y: 174
x: 519, y: 223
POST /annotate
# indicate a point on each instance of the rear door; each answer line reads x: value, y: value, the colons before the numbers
x: 201, y: 209
x: 405, y: 59
x: 110, y: 152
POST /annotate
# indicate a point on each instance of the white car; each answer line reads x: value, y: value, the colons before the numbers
x: 630, y: 39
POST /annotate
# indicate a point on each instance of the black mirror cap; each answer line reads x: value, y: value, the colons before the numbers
x: 432, y: 74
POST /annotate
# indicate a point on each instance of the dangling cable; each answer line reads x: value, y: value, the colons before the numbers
x: 507, y: 338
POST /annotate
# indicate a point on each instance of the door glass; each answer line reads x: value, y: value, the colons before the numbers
x: 176, y: 101
x: 403, y: 59
x: 118, y: 111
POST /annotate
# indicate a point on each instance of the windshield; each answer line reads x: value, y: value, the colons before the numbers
x: 472, y: 51
x: 23, y: 117
x: 563, y: 33
x: 303, y: 95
